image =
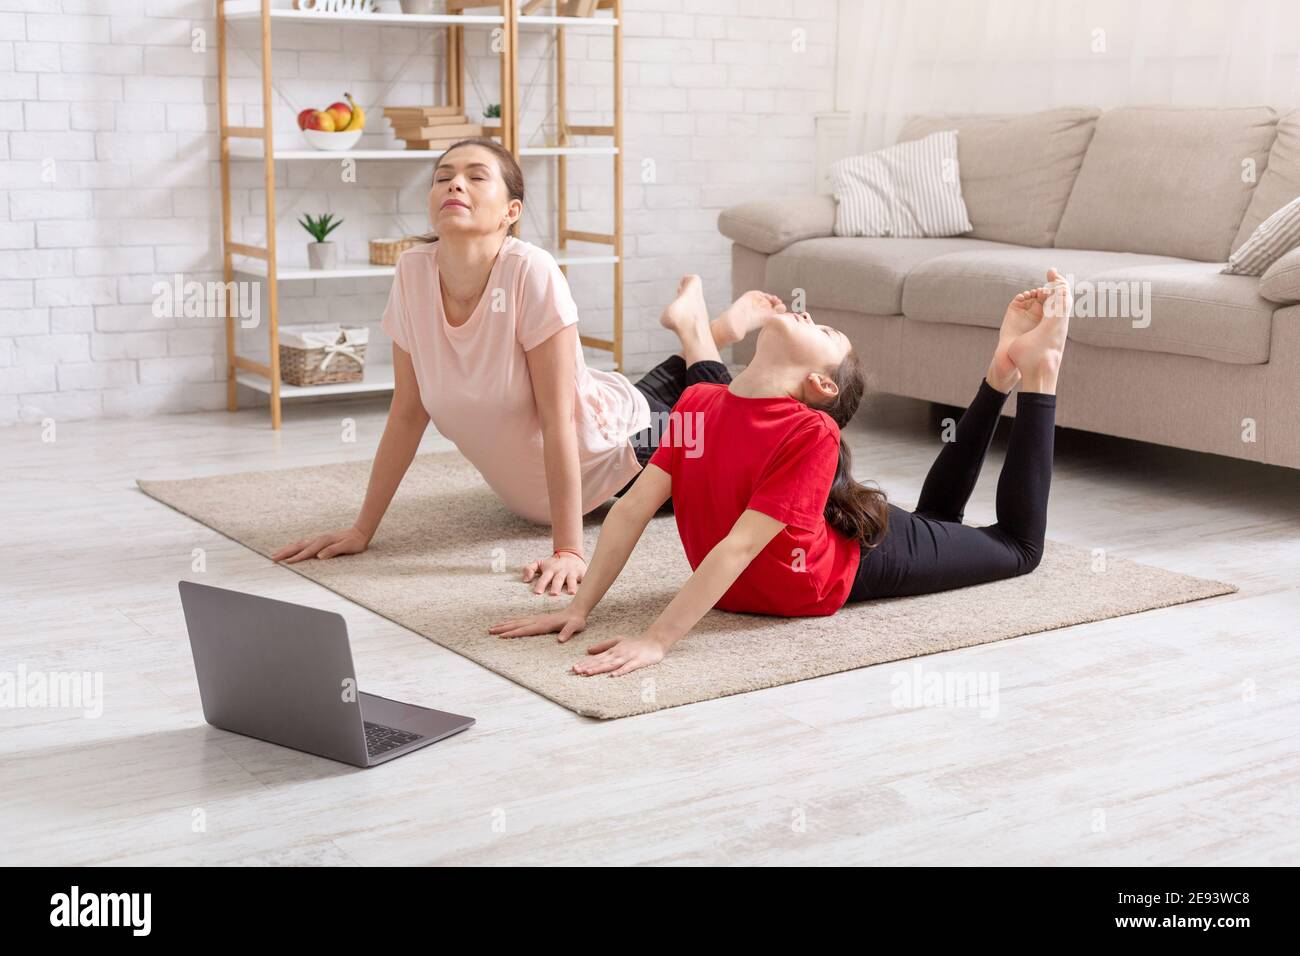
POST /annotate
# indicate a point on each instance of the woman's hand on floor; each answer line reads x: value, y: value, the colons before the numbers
x: 621, y: 655
x: 563, y: 572
x: 350, y: 541
x: 567, y: 622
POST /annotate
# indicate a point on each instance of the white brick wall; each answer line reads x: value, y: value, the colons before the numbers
x: 109, y: 180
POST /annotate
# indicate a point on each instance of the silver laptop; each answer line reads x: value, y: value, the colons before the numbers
x: 283, y: 673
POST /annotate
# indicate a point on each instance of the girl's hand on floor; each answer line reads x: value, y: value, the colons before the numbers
x: 563, y: 572
x: 621, y: 655
x: 566, y: 622
x: 323, y: 546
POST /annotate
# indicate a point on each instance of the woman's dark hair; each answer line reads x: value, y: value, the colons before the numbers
x: 856, y: 510
x: 510, y: 172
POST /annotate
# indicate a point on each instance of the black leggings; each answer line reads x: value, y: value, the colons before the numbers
x: 662, y: 386
x: 929, y: 549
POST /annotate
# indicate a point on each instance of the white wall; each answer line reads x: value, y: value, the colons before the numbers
x: 900, y: 58
x: 110, y: 180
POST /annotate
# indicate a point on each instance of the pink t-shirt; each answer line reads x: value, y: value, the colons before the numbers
x: 474, y: 380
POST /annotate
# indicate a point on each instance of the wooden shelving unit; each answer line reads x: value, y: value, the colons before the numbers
x: 241, y: 143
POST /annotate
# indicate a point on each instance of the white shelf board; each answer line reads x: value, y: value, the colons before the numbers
x: 252, y: 9
x: 569, y: 257
x: 568, y: 150
x: 425, y: 155
x: 378, y: 379
x: 250, y: 150
x: 247, y: 150
x: 365, y: 270
x: 345, y: 270
x: 577, y: 22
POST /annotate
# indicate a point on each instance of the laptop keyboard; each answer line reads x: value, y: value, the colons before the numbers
x: 381, y: 739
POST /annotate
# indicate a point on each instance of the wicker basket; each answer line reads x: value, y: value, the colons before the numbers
x: 384, y: 252
x: 322, y: 354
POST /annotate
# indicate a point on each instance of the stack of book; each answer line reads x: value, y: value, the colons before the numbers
x: 575, y: 8
x: 433, y: 127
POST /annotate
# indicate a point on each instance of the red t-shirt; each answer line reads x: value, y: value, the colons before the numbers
x: 778, y: 456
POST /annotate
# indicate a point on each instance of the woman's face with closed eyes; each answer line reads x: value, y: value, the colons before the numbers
x: 469, y: 196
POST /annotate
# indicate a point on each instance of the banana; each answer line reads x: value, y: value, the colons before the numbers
x: 358, y: 120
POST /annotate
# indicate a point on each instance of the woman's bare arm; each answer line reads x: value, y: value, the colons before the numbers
x: 407, y: 420
x: 553, y: 369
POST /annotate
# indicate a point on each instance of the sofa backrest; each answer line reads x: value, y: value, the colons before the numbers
x: 1018, y: 202
x: 1168, y: 181
x: 1279, y: 181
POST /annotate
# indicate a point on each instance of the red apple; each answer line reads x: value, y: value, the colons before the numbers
x: 302, y: 118
x: 320, y: 120
x: 342, y: 114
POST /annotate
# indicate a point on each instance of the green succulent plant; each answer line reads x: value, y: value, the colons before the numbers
x: 320, y: 226
x: 493, y: 111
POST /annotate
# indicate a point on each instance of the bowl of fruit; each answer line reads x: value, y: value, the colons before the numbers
x: 338, y: 126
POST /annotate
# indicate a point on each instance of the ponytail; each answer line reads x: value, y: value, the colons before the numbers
x: 858, y: 511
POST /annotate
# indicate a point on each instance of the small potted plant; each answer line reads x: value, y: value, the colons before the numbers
x: 320, y: 254
x: 492, y: 112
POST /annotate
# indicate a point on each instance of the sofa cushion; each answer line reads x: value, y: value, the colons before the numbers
x: 974, y: 287
x: 907, y: 191
x: 1016, y: 171
x: 1279, y: 180
x: 769, y: 225
x: 1276, y: 236
x: 857, y: 274
x: 1281, y: 281
x: 1122, y: 299
x: 1167, y: 181
x: 1190, y: 309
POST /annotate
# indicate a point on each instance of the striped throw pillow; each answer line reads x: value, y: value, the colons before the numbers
x: 1276, y: 236
x: 909, y: 190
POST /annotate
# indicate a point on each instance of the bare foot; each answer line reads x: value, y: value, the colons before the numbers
x: 1037, y: 352
x: 1024, y: 312
x: 686, y: 313
x: 745, y: 315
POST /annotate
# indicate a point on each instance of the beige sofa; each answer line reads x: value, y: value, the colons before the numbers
x: 1141, y: 207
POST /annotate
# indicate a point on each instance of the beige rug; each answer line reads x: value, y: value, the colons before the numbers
x: 445, y: 564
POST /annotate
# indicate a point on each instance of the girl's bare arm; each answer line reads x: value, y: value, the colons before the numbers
x: 623, y: 527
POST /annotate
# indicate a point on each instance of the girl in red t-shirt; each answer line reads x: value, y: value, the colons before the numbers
x: 769, y: 515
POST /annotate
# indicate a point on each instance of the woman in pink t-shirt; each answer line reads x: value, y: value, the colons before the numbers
x: 485, y: 344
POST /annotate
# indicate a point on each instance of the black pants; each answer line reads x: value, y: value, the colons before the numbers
x: 662, y: 386
x: 929, y: 549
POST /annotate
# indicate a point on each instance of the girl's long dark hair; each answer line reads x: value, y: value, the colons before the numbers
x: 510, y: 172
x: 858, y: 511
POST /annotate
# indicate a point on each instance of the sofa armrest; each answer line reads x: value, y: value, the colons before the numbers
x: 769, y: 225
x: 1281, y: 281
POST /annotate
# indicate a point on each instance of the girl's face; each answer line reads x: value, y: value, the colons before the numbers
x: 801, y: 341
x: 469, y: 197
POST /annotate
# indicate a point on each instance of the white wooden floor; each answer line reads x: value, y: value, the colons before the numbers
x: 1166, y: 737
